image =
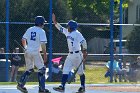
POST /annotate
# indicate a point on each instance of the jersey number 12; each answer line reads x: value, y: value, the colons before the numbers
x: 33, y: 36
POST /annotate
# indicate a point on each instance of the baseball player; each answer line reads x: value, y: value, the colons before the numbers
x: 33, y: 39
x: 75, y: 40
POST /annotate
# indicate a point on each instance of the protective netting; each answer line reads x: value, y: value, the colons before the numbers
x: 93, y: 18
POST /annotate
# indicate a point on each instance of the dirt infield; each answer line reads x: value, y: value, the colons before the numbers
x: 116, y: 88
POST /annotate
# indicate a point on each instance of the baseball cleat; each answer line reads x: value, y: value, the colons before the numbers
x: 22, y: 89
x: 59, y: 89
x: 44, y: 91
x: 81, y: 90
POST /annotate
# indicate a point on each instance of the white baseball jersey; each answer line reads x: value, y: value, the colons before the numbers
x: 34, y: 36
x: 74, y: 39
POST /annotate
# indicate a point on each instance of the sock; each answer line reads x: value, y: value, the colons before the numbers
x: 64, y: 80
x: 41, y: 79
x: 82, y: 79
x: 24, y: 78
x: 107, y: 74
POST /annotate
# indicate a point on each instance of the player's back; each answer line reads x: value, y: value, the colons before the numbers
x: 33, y: 35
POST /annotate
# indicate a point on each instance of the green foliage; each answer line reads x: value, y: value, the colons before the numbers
x: 2, y: 10
x: 85, y: 11
x: 26, y: 11
x: 93, y: 10
x: 125, y: 3
x: 89, y: 10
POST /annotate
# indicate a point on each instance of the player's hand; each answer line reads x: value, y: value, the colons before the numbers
x: 45, y: 59
x: 54, y: 18
x: 84, y: 54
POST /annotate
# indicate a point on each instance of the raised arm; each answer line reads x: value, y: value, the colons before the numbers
x: 57, y: 25
x: 54, y: 19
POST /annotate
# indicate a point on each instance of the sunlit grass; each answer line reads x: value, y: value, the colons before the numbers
x: 94, y: 75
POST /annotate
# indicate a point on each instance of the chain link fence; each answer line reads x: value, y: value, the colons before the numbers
x: 93, y: 24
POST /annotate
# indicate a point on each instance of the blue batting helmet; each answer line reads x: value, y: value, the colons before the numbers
x: 72, y: 24
x: 40, y: 20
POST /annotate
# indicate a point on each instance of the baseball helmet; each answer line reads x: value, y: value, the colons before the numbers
x: 72, y: 24
x: 39, y: 20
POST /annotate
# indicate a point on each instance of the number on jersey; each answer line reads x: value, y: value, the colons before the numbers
x: 33, y: 36
x: 72, y: 43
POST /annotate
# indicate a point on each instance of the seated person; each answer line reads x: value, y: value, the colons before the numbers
x: 55, y: 68
x: 116, y: 69
x: 134, y: 74
x: 56, y: 72
x: 2, y: 56
x: 138, y: 60
x: 136, y: 64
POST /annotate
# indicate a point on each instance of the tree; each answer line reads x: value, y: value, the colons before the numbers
x: 89, y: 10
x: 2, y: 26
x: 26, y: 11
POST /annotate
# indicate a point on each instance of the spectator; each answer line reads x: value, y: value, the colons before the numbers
x: 56, y: 72
x: 138, y: 61
x: 14, y: 65
x: 116, y: 70
x: 2, y: 56
x: 55, y: 68
x: 134, y: 69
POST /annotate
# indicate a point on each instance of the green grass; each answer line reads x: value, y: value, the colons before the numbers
x: 94, y: 75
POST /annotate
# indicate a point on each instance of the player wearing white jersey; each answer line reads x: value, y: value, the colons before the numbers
x: 75, y: 40
x: 33, y: 39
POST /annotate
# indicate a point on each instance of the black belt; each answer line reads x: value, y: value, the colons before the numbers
x: 74, y: 52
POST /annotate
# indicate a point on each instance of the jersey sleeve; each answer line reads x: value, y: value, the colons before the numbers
x: 61, y: 29
x: 64, y: 31
x: 80, y: 38
x: 43, y: 38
